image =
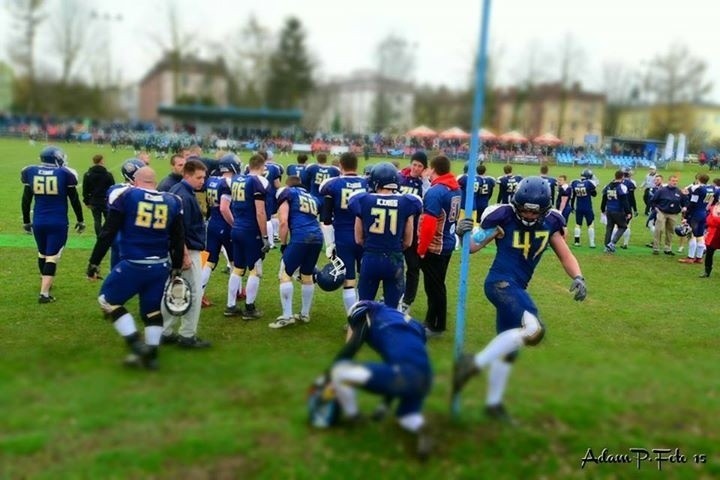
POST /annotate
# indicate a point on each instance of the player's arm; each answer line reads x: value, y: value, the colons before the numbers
x: 261, y: 215
x: 26, y: 202
x: 426, y: 231
x: 408, y: 234
x: 603, y: 202
x: 566, y: 257
x: 328, y: 230
x: 177, y: 242
x: 75, y: 203
x: 225, y: 210
x: 109, y: 230
x: 359, y: 233
x: 283, y: 217
x: 354, y: 340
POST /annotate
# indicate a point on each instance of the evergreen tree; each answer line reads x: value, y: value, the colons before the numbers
x: 290, y: 78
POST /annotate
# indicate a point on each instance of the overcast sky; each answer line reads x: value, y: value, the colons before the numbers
x: 343, y: 34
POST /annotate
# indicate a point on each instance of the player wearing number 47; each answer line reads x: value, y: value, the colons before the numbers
x: 522, y: 232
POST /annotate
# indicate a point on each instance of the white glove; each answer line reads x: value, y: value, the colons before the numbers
x: 603, y: 219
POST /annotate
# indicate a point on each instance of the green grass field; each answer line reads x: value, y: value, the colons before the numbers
x: 634, y: 366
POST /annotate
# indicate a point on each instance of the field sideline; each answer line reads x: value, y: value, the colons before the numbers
x: 634, y: 366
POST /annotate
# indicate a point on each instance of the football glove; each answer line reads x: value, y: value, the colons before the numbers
x: 28, y: 228
x: 282, y: 249
x: 266, y: 245
x: 579, y: 288
x: 93, y: 271
x: 80, y: 227
x: 463, y: 226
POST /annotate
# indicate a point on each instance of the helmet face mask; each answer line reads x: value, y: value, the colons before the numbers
x: 331, y: 276
x: 177, y: 296
x: 531, y: 201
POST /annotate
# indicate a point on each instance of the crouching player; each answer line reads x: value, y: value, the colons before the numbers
x: 404, y: 372
x: 149, y: 221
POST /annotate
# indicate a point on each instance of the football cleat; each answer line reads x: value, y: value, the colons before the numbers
x: 499, y: 413
x: 233, y: 311
x: 281, y: 322
x: 302, y: 318
x: 46, y: 299
x: 463, y: 370
x: 253, y: 314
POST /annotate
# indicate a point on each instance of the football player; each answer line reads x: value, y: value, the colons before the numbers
x: 384, y: 226
x: 150, y: 223
x: 217, y: 194
x: 405, y: 372
x: 616, y: 208
x: 249, y: 235
x: 507, y: 184
x: 51, y: 184
x: 485, y: 191
x: 298, y: 215
x: 298, y: 169
x: 699, y: 198
x: 338, y: 222
x: 128, y: 170
x: 273, y: 173
x: 315, y: 174
x: 521, y: 231
x: 583, y: 190
x: 413, y: 181
x: 631, y: 186
x: 563, y: 204
x: 551, y: 181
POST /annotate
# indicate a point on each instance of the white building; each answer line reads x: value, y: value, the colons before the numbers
x: 352, y: 101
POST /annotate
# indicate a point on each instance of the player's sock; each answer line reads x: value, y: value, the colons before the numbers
x: 234, y: 286
x: 503, y: 344
x: 286, y: 298
x: 692, y: 246
x: 626, y: 237
x: 125, y: 325
x: 591, y: 236
x: 275, y: 225
x: 347, y: 399
x: 307, y: 298
x: 153, y: 334
x: 412, y: 422
x: 700, y: 250
x: 251, y: 291
x: 270, y: 233
x: 498, y: 375
x: 227, y: 260
x: 349, y: 297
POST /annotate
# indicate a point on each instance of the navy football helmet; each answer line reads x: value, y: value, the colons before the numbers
x: 367, y: 170
x: 683, y: 230
x: 627, y: 171
x: 383, y: 175
x: 229, y: 163
x: 331, y: 276
x: 322, y: 403
x: 532, y: 196
x: 53, y: 156
x: 130, y: 167
x: 357, y: 315
x: 586, y: 174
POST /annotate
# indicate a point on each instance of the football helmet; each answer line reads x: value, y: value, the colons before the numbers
x: 129, y: 167
x: 229, y: 163
x: 627, y: 171
x: 177, y: 295
x: 586, y: 174
x: 383, y: 175
x: 53, y: 156
x: 532, y: 196
x: 466, y: 166
x: 357, y: 314
x: 367, y: 170
x: 331, y: 276
x: 323, y: 406
x: 683, y: 230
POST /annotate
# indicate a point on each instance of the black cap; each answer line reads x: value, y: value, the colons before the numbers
x: 420, y: 157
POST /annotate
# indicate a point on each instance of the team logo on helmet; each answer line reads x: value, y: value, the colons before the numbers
x: 130, y: 167
x: 177, y: 296
x: 332, y: 275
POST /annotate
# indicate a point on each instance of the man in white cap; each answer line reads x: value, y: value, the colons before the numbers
x: 648, y: 185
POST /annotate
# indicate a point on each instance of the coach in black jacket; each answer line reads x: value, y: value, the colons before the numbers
x: 96, y: 182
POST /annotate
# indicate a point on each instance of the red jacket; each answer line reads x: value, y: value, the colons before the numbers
x: 712, y: 236
x: 428, y: 229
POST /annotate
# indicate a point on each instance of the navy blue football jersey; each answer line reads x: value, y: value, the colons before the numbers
x: 50, y: 187
x: 339, y: 190
x: 245, y: 190
x: 384, y: 217
x: 302, y: 214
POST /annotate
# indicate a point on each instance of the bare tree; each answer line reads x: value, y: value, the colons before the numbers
x: 671, y: 79
x: 69, y: 32
x: 531, y: 72
x: 572, y: 64
x: 249, y: 59
x: 27, y: 16
x: 174, y: 43
x: 395, y: 58
x: 621, y: 87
